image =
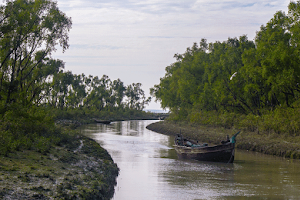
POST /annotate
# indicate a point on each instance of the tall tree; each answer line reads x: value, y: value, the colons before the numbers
x: 118, y: 92
x: 29, y: 33
x: 136, y: 98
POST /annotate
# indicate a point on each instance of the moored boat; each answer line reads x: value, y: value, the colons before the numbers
x: 189, y: 149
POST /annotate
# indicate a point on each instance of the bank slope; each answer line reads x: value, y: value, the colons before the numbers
x: 272, y: 144
x: 80, y: 169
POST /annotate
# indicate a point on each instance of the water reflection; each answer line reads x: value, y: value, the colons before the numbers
x: 149, y: 169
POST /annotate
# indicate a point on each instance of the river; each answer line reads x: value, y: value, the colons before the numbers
x: 150, y: 169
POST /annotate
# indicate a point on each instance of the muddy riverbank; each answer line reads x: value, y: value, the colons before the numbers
x: 80, y: 169
x: 272, y: 144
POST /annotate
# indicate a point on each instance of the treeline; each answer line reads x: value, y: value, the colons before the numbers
x: 30, y: 30
x: 240, y: 83
x: 34, y: 89
x: 80, y: 96
x: 66, y: 90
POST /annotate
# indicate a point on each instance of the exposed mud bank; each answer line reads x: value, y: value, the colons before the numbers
x: 81, y: 169
x: 272, y: 144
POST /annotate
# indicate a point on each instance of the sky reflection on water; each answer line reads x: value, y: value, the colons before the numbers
x: 149, y: 169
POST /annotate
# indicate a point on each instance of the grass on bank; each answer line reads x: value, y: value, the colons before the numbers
x: 282, y: 122
x: 271, y: 144
x: 274, y: 132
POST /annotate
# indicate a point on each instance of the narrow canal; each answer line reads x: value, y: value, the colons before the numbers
x: 149, y: 169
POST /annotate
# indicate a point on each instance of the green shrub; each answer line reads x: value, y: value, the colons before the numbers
x: 42, y: 144
x: 6, y: 139
x: 282, y: 120
x: 249, y: 122
x: 27, y: 128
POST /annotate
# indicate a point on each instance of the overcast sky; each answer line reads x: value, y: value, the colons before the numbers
x: 135, y: 40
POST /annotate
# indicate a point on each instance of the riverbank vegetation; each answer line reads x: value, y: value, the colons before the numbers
x: 37, y: 97
x: 240, y: 84
x: 272, y: 144
x: 36, y: 92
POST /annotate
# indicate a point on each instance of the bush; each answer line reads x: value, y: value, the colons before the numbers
x: 6, y: 139
x: 42, y: 145
x: 282, y: 120
x: 249, y: 122
x: 27, y: 128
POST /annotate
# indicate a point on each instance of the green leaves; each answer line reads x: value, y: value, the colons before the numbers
x: 201, y: 78
x: 266, y: 73
x: 69, y: 91
x: 136, y: 98
x: 30, y: 31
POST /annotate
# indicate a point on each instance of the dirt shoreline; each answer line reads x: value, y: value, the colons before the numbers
x: 81, y: 169
x: 271, y: 144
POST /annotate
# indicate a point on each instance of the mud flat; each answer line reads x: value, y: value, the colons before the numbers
x: 80, y: 169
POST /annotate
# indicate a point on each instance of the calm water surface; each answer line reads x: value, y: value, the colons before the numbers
x: 150, y: 169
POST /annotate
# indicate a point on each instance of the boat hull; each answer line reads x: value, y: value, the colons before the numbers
x: 219, y: 153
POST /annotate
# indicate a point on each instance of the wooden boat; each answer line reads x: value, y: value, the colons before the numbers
x: 189, y: 149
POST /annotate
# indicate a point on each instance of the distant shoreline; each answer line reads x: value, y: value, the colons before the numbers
x: 156, y: 111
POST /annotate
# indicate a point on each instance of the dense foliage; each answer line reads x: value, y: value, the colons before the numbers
x: 78, y: 91
x: 34, y: 88
x: 251, y: 84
